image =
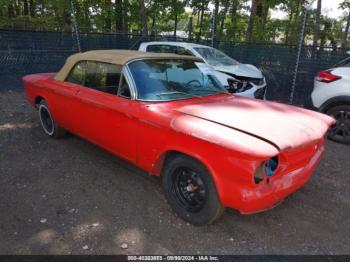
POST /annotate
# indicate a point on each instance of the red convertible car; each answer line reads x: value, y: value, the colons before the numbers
x: 168, y: 115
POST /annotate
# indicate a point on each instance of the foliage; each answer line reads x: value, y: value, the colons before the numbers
x: 236, y: 20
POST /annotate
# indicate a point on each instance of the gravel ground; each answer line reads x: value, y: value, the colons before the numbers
x: 68, y: 196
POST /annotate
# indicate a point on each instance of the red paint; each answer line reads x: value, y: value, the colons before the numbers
x: 230, y: 135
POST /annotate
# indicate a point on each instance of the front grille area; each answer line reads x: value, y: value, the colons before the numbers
x: 260, y: 93
x: 238, y: 86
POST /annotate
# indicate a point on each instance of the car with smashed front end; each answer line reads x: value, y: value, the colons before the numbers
x: 169, y: 115
x: 241, y: 79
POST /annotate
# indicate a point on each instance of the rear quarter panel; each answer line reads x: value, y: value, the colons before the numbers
x: 58, y: 98
x: 325, y: 91
x: 34, y: 86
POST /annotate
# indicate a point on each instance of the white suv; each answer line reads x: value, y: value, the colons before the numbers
x: 331, y: 95
x: 241, y: 79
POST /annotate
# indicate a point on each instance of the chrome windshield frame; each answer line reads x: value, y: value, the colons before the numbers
x: 132, y: 84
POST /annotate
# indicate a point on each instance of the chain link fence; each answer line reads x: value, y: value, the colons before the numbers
x: 26, y: 52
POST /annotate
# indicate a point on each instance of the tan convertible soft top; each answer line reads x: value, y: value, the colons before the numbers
x: 117, y: 57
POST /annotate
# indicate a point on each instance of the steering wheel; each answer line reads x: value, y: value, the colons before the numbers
x: 191, y: 83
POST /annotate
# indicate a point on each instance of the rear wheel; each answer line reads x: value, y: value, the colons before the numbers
x: 190, y: 191
x: 340, y: 132
x: 47, y: 123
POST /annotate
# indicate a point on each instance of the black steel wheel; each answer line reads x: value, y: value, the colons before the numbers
x: 47, y: 123
x: 340, y: 132
x: 190, y: 191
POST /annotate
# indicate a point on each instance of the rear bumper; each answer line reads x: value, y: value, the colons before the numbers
x: 268, y: 195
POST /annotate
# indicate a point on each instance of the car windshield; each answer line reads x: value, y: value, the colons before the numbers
x: 215, y: 57
x: 173, y: 79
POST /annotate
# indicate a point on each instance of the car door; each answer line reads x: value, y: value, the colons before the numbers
x: 107, y: 118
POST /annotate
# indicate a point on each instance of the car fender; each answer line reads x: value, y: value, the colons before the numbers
x: 222, y: 77
x: 159, y: 162
x: 217, y: 179
x: 338, y: 100
x: 228, y: 179
x: 228, y: 163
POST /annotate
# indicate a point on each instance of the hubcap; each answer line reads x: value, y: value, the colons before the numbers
x: 341, y: 130
x: 189, y: 189
x: 46, y: 120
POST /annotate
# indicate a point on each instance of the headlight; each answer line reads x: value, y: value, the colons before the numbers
x: 266, y: 168
x: 271, y: 166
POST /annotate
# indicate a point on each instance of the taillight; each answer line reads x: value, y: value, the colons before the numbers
x: 326, y: 77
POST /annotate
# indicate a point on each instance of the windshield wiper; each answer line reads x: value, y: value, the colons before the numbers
x: 211, y: 90
x: 177, y: 92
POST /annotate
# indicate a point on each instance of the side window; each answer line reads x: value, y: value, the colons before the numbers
x: 168, y: 49
x: 161, y: 49
x: 77, y: 74
x: 183, y: 51
x: 102, y: 76
x: 124, y: 89
x: 154, y: 48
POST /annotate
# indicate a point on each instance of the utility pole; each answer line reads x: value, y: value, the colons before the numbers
x: 213, y: 30
x: 307, y: 7
x: 190, y: 28
x: 75, y: 25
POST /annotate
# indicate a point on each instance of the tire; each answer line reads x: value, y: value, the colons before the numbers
x: 340, y: 132
x: 190, y: 191
x: 47, y: 123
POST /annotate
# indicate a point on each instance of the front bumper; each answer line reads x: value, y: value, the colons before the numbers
x: 266, y: 196
x: 260, y: 93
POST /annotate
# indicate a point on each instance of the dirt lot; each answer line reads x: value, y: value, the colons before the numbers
x: 68, y: 196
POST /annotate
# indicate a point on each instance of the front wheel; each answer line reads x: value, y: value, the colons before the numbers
x: 340, y: 132
x: 190, y: 191
x: 47, y: 123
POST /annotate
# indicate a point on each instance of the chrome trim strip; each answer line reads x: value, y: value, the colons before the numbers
x: 130, y: 81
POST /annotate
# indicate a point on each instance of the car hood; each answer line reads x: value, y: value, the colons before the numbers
x: 244, y: 70
x: 283, y: 126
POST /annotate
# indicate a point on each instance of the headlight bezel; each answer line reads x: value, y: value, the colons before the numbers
x: 271, y: 166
